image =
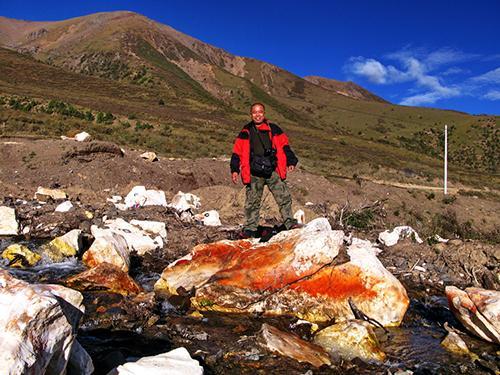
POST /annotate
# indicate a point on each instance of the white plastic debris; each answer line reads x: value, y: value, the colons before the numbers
x: 175, y: 362
x: 83, y: 137
x: 185, y: 201
x: 8, y: 222
x: 209, y: 218
x: 139, y: 197
x: 300, y: 216
x: 307, y: 204
x: 64, y: 207
x: 390, y: 238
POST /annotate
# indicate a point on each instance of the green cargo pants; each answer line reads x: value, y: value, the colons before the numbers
x: 281, y: 195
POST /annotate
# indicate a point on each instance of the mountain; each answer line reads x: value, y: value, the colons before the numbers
x: 141, y: 70
x: 349, y: 89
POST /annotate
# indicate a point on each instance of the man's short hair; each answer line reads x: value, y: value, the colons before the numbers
x: 255, y: 104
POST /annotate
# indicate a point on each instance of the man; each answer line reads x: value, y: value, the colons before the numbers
x: 262, y: 155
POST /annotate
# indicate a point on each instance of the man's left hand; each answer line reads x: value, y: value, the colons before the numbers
x: 291, y: 168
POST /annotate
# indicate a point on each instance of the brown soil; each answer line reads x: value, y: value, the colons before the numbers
x: 92, y: 172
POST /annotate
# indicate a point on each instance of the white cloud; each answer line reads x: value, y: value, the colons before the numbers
x: 371, y: 69
x: 492, y: 95
x: 454, y: 70
x: 428, y: 88
x: 491, y: 77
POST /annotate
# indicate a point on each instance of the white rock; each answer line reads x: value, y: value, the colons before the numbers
x: 175, y: 362
x: 155, y: 227
x: 8, y: 223
x: 391, y: 299
x: 150, y: 156
x: 300, y: 216
x: 37, y: 325
x: 83, y: 137
x: 139, y: 197
x: 209, y: 218
x: 115, y: 199
x: 350, y: 339
x: 64, y: 246
x: 478, y: 310
x: 64, y: 207
x: 318, y: 242
x: 185, y: 201
x: 438, y: 238
x: 292, y: 346
x: 308, y: 204
x: 55, y: 194
x: 109, y: 247
x: 390, y: 238
x: 137, y: 239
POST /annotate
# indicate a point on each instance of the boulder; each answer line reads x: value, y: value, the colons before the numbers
x: 64, y: 207
x: 137, y: 239
x: 83, y: 137
x: 185, y: 201
x: 478, y: 310
x: 65, y: 246
x: 139, y: 197
x: 43, y: 194
x: 175, y: 362
x: 104, y: 276
x: 37, y: 326
x: 390, y: 238
x: 292, y: 248
x: 290, y: 274
x: 20, y: 256
x: 349, y: 340
x: 149, y: 156
x: 209, y: 218
x: 454, y: 343
x: 108, y: 247
x: 8, y: 222
x: 291, y: 346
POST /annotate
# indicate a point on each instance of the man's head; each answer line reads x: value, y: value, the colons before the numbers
x: 258, y: 111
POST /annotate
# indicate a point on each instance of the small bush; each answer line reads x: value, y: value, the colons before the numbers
x: 449, y: 199
x: 430, y: 196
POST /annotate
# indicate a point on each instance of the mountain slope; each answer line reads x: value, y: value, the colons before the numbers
x: 334, y: 126
x: 349, y: 89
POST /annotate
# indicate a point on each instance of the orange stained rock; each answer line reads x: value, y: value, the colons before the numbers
x: 104, y: 276
x: 339, y: 282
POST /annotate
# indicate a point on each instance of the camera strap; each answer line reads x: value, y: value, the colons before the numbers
x: 260, y: 138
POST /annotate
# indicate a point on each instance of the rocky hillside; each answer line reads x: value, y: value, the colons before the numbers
x: 137, y: 69
x: 349, y: 89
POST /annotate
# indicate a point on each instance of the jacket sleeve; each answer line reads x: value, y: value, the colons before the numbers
x: 238, y: 151
x: 282, y: 141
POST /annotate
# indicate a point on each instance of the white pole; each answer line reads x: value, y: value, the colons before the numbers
x: 445, y: 159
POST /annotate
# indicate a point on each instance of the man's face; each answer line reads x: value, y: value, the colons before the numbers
x: 258, y: 114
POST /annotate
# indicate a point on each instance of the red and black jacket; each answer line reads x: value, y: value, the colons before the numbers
x: 240, y: 160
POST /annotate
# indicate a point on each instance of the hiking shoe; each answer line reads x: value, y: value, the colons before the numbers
x: 245, y: 233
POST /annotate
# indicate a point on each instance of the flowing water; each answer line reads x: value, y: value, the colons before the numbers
x: 415, y: 345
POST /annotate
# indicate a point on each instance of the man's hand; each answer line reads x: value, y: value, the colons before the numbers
x: 291, y: 168
x: 234, y: 177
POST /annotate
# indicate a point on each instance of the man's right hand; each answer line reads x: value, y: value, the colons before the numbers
x: 234, y: 177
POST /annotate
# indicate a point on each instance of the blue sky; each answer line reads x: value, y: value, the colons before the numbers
x: 443, y: 54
